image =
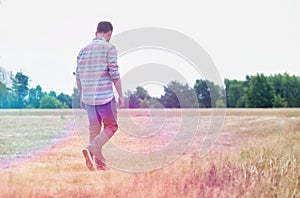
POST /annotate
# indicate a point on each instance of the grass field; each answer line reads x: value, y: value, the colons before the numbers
x: 257, y: 155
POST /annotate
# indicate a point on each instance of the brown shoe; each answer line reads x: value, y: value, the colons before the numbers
x: 99, y: 164
x: 88, y: 159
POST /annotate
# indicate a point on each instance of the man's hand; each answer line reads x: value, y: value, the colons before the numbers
x: 121, y: 102
x: 82, y: 105
x: 118, y: 86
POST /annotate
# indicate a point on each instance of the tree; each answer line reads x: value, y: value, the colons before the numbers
x: 178, y: 95
x: 203, y: 94
x: 65, y: 99
x: 260, y: 93
x: 140, y: 98
x: 49, y: 102
x: 287, y: 87
x: 279, y: 102
x: 34, y: 97
x: 20, y: 89
x: 277, y: 83
x: 133, y: 101
x: 220, y: 104
x: 75, y: 99
x: 52, y: 94
x: 234, y: 93
x: 291, y: 90
x: 208, y: 93
x: 4, y: 100
x: 5, y: 76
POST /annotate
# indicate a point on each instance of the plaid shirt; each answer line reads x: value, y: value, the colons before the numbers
x: 96, y: 68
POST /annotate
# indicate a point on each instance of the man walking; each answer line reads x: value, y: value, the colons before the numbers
x: 96, y: 73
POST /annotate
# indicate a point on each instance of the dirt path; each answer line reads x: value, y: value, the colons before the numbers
x: 53, y: 172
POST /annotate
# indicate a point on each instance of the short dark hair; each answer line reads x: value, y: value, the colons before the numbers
x: 104, y: 27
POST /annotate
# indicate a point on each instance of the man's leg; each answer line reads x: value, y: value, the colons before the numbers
x: 108, y: 113
x: 95, y: 123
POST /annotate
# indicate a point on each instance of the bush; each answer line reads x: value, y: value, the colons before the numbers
x: 279, y: 102
x: 49, y: 102
x: 220, y: 104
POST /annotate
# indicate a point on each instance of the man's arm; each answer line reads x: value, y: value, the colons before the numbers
x: 79, y: 88
x: 113, y: 71
x: 118, y: 86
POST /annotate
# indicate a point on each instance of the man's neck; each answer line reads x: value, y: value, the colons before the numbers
x: 99, y: 35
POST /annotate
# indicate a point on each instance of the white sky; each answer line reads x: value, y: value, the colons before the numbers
x: 41, y: 38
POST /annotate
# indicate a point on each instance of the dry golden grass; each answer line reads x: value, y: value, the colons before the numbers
x: 257, y: 156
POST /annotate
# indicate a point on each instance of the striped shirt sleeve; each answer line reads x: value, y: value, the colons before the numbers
x: 113, y: 70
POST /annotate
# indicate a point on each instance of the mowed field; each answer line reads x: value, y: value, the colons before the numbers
x: 257, y: 154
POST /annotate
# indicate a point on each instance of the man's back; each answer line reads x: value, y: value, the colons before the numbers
x: 96, y: 68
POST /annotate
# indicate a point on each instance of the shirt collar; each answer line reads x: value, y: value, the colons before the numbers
x: 100, y: 38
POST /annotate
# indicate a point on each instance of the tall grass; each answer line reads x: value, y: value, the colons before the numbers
x: 257, y: 156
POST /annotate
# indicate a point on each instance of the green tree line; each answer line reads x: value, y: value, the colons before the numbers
x: 257, y: 91
x: 260, y: 91
x: 19, y: 96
